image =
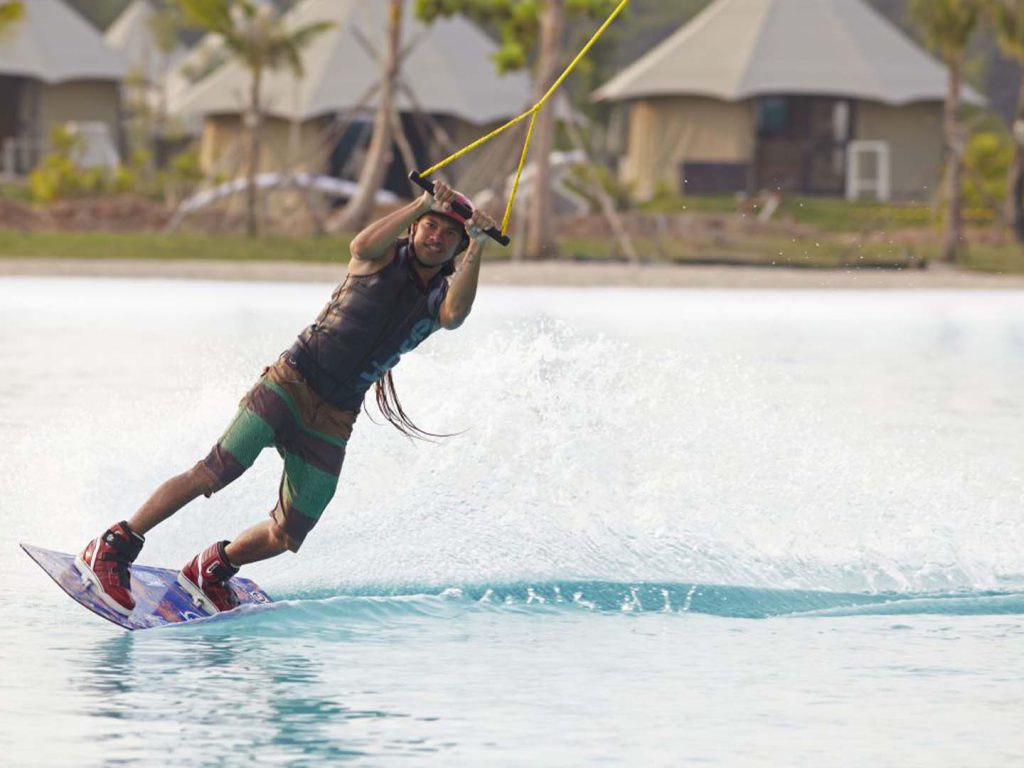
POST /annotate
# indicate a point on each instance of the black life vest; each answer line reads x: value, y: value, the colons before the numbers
x: 366, y: 327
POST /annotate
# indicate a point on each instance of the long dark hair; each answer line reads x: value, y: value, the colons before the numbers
x: 384, y: 389
x: 391, y: 408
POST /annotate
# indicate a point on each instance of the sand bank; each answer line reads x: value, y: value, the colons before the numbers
x: 560, y: 273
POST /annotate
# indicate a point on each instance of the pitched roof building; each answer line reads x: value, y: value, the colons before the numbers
x: 54, y: 68
x: 755, y: 94
x: 447, y: 69
x: 447, y: 66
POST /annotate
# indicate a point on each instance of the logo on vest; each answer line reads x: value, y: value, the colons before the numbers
x: 419, y: 332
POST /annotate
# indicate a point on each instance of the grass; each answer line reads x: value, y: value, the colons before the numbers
x: 17, y: 191
x: 861, y: 216
x: 762, y: 250
x: 148, y: 245
x: 824, y: 214
x: 1002, y: 259
x: 823, y: 251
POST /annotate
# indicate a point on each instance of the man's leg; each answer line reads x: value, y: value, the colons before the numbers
x: 311, y: 435
x: 206, y: 576
x: 287, y: 527
x: 252, y: 429
x: 261, y: 542
x: 170, y: 497
x: 105, y: 561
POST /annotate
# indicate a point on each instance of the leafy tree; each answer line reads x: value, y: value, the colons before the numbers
x: 1008, y: 20
x: 946, y: 26
x: 255, y: 35
x: 529, y: 29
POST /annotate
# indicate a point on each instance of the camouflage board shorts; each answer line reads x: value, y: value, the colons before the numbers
x: 309, y: 433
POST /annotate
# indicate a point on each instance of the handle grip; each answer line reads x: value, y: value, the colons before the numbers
x: 463, y: 210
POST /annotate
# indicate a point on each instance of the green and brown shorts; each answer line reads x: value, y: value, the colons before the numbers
x: 309, y: 433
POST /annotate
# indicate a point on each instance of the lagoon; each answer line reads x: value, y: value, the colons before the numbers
x: 708, y: 526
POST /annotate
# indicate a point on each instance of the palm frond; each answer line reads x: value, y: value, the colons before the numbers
x: 11, y: 11
x: 214, y: 15
x: 947, y: 25
x: 1008, y: 19
x: 303, y: 36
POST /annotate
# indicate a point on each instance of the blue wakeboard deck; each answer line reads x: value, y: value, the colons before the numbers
x: 159, y: 599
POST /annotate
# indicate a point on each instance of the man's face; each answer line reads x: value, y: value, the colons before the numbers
x: 436, y: 238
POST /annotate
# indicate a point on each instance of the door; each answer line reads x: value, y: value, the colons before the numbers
x: 801, y: 144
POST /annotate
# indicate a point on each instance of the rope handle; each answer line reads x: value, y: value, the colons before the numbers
x: 463, y: 210
x: 532, y: 113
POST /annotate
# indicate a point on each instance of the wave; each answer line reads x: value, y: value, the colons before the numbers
x: 370, y: 608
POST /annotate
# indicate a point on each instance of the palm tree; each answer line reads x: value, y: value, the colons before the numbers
x: 360, y: 207
x: 947, y: 26
x: 254, y: 34
x: 1008, y: 20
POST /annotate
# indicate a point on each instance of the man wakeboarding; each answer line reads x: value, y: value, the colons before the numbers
x: 402, y: 285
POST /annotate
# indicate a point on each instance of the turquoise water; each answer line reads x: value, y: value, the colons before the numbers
x: 680, y: 527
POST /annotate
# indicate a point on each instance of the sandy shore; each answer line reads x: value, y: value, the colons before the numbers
x: 587, y: 274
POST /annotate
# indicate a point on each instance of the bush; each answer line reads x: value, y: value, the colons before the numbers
x: 987, y: 161
x: 181, y: 177
x: 57, y: 176
x: 581, y: 179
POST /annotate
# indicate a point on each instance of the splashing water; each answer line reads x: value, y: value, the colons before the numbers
x: 858, y: 442
x: 569, y: 581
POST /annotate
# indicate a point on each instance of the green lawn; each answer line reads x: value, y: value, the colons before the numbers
x: 823, y: 213
x: 828, y: 250
x: 1003, y: 259
x: 769, y: 250
x: 146, y: 245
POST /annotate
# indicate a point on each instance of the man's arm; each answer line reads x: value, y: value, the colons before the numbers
x: 377, y: 240
x: 462, y: 291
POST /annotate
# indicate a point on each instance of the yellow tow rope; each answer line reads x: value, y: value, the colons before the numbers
x: 532, y: 114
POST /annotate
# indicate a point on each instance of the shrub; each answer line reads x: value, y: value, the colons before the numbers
x: 57, y: 176
x: 581, y: 179
x: 181, y: 177
x: 987, y: 161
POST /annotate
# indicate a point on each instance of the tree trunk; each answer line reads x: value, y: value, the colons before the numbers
x: 953, y: 235
x: 359, y: 209
x: 253, y: 125
x: 1016, y: 179
x: 540, y: 242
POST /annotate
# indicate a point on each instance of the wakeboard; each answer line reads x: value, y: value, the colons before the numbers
x: 159, y: 599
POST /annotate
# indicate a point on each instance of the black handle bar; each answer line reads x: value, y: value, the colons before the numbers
x: 463, y: 210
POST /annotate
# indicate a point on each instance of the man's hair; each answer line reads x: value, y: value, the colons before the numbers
x: 384, y: 389
x: 391, y: 408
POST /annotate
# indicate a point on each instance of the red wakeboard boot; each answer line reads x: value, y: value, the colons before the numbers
x: 104, y: 564
x: 205, y: 577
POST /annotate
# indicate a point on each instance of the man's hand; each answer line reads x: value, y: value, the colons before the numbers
x: 478, y: 224
x: 441, y: 199
x: 374, y: 247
